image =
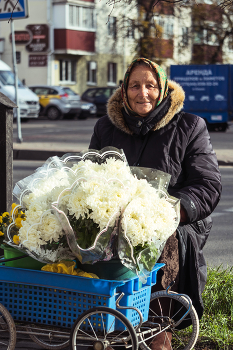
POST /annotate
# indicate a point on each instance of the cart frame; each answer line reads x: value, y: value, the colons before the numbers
x: 58, y: 311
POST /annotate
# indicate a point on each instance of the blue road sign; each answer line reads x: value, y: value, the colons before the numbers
x: 15, y: 9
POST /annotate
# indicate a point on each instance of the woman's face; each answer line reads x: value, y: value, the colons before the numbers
x: 143, y: 90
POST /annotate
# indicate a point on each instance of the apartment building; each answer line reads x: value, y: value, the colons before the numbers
x: 66, y: 42
x: 84, y: 43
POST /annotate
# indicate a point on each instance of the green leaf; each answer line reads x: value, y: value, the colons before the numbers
x: 148, y: 257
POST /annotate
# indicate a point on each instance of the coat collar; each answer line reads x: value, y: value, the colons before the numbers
x: 114, y: 108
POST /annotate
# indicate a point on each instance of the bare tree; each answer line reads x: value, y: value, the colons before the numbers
x: 146, y: 31
x: 210, y: 31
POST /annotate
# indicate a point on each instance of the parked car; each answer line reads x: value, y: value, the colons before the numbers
x: 28, y: 102
x: 57, y: 101
x: 99, y: 96
x: 88, y: 109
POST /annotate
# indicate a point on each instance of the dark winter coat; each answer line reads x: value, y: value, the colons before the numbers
x: 177, y: 143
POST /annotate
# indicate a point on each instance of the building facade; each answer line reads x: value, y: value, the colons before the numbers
x: 85, y: 43
x: 68, y: 43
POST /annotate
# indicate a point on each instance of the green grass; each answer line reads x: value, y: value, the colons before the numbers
x: 216, y: 325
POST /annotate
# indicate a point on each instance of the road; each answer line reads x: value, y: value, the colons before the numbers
x: 219, y: 246
x: 74, y: 135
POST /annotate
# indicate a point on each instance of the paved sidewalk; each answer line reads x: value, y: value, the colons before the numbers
x: 42, y: 151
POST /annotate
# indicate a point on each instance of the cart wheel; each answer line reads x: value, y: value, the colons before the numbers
x: 49, y: 338
x: 172, y: 307
x: 7, y: 330
x: 95, y: 329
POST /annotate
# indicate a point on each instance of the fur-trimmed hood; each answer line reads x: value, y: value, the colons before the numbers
x: 114, y: 107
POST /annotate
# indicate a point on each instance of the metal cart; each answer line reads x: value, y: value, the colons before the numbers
x: 61, y: 311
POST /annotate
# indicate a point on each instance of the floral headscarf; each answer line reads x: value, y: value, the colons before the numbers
x: 161, y: 77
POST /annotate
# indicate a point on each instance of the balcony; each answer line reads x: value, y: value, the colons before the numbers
x: 74, y: 28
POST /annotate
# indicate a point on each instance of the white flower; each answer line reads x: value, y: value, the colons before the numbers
x: 148, y: 218
x: 50, y: 228
x: 47, y: 229
x: 100, y: 192
x: 111, y: 168
x: 97, y: 199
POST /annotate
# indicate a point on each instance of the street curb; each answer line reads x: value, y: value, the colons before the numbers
x: 44, y: 155
x: 35, y: 155
x: 225, y: 163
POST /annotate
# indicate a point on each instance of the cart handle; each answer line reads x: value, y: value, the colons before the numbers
x: 130, y: 307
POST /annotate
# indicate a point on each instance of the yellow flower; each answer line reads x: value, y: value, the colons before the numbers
x: 1, y: 233
x: 0, y: 219
x: 5, y: 214
x: 16, y: 239
x: 13, y: 207
x: 18, y: 222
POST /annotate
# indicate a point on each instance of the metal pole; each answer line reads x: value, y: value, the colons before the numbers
x: 124, y: 35
x: 19, y: 137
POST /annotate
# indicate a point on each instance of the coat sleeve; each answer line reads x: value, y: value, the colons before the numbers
x: 202, y: 188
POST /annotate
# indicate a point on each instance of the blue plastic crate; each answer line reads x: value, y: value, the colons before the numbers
x: 57, y: 299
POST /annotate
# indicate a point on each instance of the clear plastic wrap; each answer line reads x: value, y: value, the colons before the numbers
x: 47, y: 234
x: 103, y: 245
x: 94, y: 207
x: 156, y: 224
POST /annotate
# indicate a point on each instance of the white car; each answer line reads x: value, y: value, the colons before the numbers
x: 28, y: 102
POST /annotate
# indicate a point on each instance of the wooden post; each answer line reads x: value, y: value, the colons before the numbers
x: 6, y: 152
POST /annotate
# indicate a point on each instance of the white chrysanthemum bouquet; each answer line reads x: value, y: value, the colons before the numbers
x: 90, y: 209
x: 149, y: 219
x: 95, y: 207
x: 41, y: 235
x: 72, y: 206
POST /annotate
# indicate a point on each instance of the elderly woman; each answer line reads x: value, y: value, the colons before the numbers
x: 146, y: 120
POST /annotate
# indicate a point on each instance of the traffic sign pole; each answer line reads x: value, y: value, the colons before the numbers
x: 19, y: 137
x: 10, y: 10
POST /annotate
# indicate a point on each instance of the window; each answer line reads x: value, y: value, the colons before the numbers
x: 103, y: 93
x: 67, y: 70
x: 130, y: 29
x: 82, y: 17
x: 211, y: 38
x: 41, y: 91
x: 91, y: 72
x: 185, y: 36
x: 112, y: 27
x: 53, y: 92
x: 230, y: 43
x: 8, y: 78
x: 71, y: 15
x: 112, y: 72
x: 198, y: 37
x: 18, y: 57
x: 167, y: 25
x: 206, y: 36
